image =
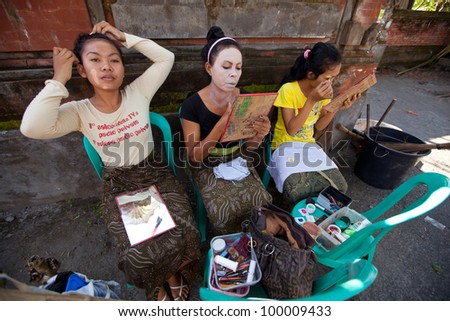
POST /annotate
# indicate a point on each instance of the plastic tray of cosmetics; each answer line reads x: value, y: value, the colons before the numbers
x: 332, y: 199
x: 338, y: 227
x: 234, y: 261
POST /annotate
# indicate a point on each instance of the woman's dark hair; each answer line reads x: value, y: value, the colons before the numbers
x: 322, y: 57
x: 215, y: 33
x: 83, y: 38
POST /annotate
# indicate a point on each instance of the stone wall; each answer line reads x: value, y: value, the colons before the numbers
x: 242, y: 19
x: 415, y: 36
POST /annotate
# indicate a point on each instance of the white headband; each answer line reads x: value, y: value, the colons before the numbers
x: 215, y: 43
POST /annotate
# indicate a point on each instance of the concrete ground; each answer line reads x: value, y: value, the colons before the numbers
x: 50, y: 199
x: 413, y: 260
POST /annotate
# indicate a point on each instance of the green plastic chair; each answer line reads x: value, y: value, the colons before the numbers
x: 363, y: 243
x: 155, y: 119
x: 339, y: 284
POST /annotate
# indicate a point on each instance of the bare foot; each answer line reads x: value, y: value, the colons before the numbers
x: 178, y: 287
x: 162, y: 295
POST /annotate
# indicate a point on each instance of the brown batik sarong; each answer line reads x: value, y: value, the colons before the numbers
x: 299, y: 186
x: 228, y: 202
x: 149, y: 264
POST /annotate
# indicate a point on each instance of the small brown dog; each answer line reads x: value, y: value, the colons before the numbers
x: 42, y: 269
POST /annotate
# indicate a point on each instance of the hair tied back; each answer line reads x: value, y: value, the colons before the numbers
x: 306, y: 53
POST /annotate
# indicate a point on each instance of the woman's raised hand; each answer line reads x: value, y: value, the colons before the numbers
x: 226, y: 115
x: 106, y: 29
x: 63, y: 60
x: 323, y: 91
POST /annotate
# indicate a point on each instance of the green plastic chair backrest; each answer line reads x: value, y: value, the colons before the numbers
x: 364, y: 242
x: 267, y: 157
x: 155, y: 119
x: 339, y: 284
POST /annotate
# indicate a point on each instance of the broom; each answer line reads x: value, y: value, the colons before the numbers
x: 357, y: 137
x: 401, y: 147
x: 414, y: 147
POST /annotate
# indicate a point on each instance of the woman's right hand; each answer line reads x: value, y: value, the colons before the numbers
x: 63, y: 60
x: 323, y: 91
x: 226, y: 115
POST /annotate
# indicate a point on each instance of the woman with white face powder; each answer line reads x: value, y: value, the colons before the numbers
x: 204, y: 116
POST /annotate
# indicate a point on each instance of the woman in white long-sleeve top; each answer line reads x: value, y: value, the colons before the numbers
x: 117, y: 124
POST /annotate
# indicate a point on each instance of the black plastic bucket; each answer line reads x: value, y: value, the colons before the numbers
x: 383, y: 167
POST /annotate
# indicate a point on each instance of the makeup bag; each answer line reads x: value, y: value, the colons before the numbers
x: 235, y: 266
x: 284, y: 252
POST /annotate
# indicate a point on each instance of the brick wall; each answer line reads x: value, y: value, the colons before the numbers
x: 41, y: 24
x: 414, y: 28
x: 415, y: 36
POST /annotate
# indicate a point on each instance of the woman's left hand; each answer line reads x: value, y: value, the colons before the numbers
x: 106, y: 29
x: 349, y: 101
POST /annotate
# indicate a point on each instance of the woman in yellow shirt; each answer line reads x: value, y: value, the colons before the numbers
x: 299, y: 166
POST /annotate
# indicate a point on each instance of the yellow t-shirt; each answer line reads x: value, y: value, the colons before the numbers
x: 291, y: 96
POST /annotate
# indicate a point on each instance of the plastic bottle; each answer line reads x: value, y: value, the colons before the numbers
x: 232, y: 265
x: 251, y: 271
x: 352, y: 229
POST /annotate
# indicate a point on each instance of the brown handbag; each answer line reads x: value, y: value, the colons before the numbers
x: 284, y: 251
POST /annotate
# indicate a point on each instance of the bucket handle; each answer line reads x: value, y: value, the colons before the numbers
x: 379, y: 156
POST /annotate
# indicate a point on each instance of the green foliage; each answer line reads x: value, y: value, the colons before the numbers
x: 97, y: 209
x: 174, y: 99
x: 170, y: 108
x: 253, y: 88
x: 436, y: 267
x: 11, y: 124
x: 431, y: 5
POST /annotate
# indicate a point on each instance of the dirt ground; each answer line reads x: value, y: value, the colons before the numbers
x: 413, y: 260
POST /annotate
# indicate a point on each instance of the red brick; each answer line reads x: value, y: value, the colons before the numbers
x: 41, y: 24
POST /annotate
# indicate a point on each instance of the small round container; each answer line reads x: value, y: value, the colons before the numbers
x: 341, y: 224
x: 346, y: 220
x: 300, y: 220
x: 218, y: 246
x: 310, y: 208
x: 333, y: 228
